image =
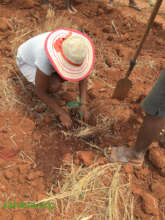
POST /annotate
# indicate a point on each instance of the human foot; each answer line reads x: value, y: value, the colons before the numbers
x: 125, y: 155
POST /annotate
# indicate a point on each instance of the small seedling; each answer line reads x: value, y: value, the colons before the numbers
x: 75, y: 104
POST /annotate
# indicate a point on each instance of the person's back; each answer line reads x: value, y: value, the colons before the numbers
x: 32, y: 52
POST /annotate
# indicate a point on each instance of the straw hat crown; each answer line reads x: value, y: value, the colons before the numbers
x: 75, y: 49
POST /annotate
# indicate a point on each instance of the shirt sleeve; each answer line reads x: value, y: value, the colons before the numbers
x: 43, y: 64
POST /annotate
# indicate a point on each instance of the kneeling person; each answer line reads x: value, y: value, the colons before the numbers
x: 49, y: 59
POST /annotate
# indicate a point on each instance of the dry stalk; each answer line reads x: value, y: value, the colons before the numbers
x: 84, y: 187
x: 103, y: 124
x: 9, y: 98
x: 115, y: 28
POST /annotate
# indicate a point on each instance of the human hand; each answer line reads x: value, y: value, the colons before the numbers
x: 65, y: 120
x: 84, y: 113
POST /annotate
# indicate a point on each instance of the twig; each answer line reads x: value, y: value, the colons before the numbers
x: 21, y: 83
x: 23, y: 154
x: 93, y: 146
x: 114, y: 26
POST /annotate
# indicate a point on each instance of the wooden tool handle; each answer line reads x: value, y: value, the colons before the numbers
x: 149, y: 25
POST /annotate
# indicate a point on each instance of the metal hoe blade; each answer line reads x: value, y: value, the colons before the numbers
x: 122, y: 88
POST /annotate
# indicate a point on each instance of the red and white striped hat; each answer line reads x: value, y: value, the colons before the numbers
x: 71, y: 53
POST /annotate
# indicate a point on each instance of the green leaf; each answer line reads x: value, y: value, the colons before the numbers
x: 73, y: 104
x: 80, y: 112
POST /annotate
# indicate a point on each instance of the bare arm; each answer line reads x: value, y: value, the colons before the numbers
x: 83, y: 91
x: 83, y: 98
x: 41, y: 88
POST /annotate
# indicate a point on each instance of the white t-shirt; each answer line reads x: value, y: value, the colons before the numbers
x: 31, y: 55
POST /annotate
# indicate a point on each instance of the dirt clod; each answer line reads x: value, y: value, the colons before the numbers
x: 8, y: 174
x: 158, y: 190
x: 67, y: 159
x: 157, y: 157
x: 34, y: 175
x: 5, y: 24
x: 150, y: 204
x: 87, y: 157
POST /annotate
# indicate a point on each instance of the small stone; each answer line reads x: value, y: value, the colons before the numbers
x: 38, y: 184
x: 5, y: 24
x: 40, y: 108
x: 150, y: 204
x: 136, y: 190
x: 110, y: 38
x: 162, y: 201
x: 77, y: 161
x: 102, y: 161
x: 128, y: 169
x: 47, y: 118
x: 87, y: 157
x: 56, y: 189
x: 100, y: 11
x: 25, y: 192
x: 157, y: 157
x: 142, y: 173
x: 27, y: 126
x: 8, y: 174
x: 106, y: 29
x: 67, y: 159
x: 106, y: 180
x: 23, y: 168
x: 162, y: 172
x: 108, y: 61
x: 158, y: 190
x: 31, y: 176
x: 37, y: 136
x: 115, y: 102
x: 34, y: 175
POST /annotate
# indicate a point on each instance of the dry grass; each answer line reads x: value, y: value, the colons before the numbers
x: 53, y: 22
x: 103, y: 124
x: 8, y: 95
x: 93, y: 193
